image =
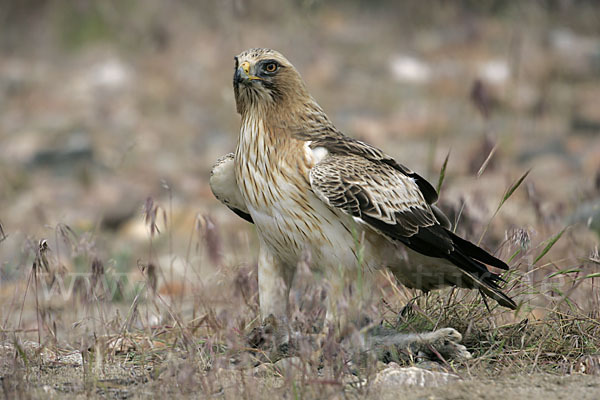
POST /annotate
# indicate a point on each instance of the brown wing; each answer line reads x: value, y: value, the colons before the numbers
x: 391, y: 202
x: 375, y: 193
x: 322, y: 133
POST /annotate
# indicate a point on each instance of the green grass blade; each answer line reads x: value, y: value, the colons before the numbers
x: 516, y: 253
x: 22, y: 354
x: 594, y: 275
x: 565, y: 298
x: 487, y: 160
x: 551, y: 243
x: 506, y: 196
x: 564, y: 272
x: 512, y: 189
x: 443, y: 173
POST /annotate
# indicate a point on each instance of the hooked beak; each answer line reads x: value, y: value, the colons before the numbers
x: 242, y: 74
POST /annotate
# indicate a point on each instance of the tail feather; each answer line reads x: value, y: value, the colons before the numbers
x: 492, y: 290
x: 438, y: 242
x: 481, y: 277
x: 477, y: 252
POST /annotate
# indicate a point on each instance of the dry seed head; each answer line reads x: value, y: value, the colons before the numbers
x: 206, y: 228
x: 150, y: 215
x: 481, y: 98
x: 522, y: 238
x: 97, y: 272
x: 68, y: 236
x: 150, y: 270
x: 213, y: 242
x: 43, y: 245
x: 41, y: 259
x: 594, y: 255
x: 2, y: 234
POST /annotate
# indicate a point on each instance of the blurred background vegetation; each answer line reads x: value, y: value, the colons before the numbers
x: 112, y: 109
x: 112, y: 113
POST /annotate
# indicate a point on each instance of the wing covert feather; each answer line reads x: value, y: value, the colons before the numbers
x: 337, y: 143
x: 373, y: 192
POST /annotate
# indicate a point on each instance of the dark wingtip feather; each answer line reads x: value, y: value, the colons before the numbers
x: 495, y: 293
x: 476, y: 252
x: 241, y: 214
x: 491, y: 289
x: 467, y: 255
x: 482, y: 279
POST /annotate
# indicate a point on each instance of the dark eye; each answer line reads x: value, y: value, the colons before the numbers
x: 271, y: 67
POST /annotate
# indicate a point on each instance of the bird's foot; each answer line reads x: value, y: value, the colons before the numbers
x: 443, y: 343
x: 439, y: 345
x: 272, y: 340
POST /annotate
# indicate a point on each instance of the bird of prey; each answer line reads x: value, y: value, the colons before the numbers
x: 308, y: 188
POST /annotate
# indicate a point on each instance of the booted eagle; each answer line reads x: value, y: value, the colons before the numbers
x: 308, y: 188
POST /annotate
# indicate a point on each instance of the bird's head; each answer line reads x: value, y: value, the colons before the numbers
x: 265, y: 79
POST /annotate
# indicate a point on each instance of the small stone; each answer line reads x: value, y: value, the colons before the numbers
x: 395, y: 376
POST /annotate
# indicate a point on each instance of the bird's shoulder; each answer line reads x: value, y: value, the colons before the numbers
x: 374, y: 193
x: 342, y: 149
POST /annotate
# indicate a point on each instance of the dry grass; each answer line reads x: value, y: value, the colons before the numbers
x: 132, y: 338
x: 122, y: 277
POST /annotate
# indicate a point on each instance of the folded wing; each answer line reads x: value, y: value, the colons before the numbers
x: 225, y: 188
x: 391, y: 201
